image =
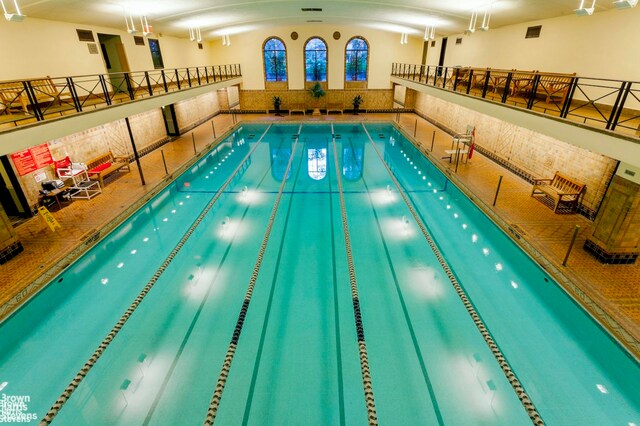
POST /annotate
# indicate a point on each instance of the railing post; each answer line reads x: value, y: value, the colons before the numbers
x: 74, y: 95
x: 507, y: 83
x: 164, y: 82
x: 444, y: 79
x: 198, y: 76
x: 573, y: 240
x: 567, y: 101
x: 149, y: 87
x: 177, y: 78
x: 470, y: 80
x: 105, y: 89
x: 617, y: 106
x: 239, y: 70
x: 127, y: 80
x: 614, y: 123
x: 455, y: 81
x: 206, y: 75
x: 188, y: 76
x: 534, y: 89
x: 435, y: 75
x: 487, y: 76
x: 28, y: 88
x: 213, y: 72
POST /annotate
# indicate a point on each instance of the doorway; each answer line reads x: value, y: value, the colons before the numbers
x: 170, y: 120
x: 156, y: 54
x: 443, y: 50
x: 12, y: 198
x: 115, y: 60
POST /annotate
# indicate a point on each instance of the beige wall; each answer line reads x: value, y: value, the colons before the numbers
x: 385, y: 48
x: 603, y: 45
x: 537, y: 154
x: 37, y: 47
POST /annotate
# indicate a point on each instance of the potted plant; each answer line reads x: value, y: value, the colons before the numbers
x: 317, y: 92
x: 357, y: 100
x: 276, y: 104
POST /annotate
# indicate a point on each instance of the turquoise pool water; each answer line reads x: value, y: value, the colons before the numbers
x: 297, y: 357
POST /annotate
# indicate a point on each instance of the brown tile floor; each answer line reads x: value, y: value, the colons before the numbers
x: 610, y: 292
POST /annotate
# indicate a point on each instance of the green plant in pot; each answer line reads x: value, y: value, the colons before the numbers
x: 357, y: 100
x: 317, y: 92
x: 276, y: 104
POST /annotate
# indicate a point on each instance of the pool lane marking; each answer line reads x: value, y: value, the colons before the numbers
x: 267, y: 314
x: 226, y: 365
x: 362, y: 346
x: 412, y: 333
x: 525, y: 400
x: 336, y: 309
x: 187, y: 336
x: 64, y: 397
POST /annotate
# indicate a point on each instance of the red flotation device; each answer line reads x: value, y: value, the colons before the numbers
x: 473, y: 143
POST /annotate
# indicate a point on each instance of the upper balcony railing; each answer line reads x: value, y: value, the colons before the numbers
x: 602, y: 103
x: 38, y: 99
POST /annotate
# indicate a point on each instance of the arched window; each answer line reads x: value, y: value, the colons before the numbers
x: 315, y: 60
x: 356, y: 60
x: 275, y: 60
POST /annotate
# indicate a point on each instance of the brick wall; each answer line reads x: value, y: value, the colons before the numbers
x: 526, y: 152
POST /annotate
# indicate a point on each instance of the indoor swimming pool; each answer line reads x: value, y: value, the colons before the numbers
x: 311, y: 274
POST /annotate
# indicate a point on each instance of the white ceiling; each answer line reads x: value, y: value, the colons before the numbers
x: 217, y: 17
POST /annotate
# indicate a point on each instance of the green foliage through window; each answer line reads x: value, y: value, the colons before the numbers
x: 356, y: 60
x: 275, y: 60
x: 315, y: 56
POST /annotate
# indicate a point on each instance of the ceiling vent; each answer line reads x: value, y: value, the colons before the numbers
x: 311, y: 9
x: 533, y: 32
x: 85, y: 35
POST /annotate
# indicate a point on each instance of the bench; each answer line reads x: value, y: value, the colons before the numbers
x: 104, y: 165
x: 550, y: 85
x: 14, y: 94
x: 335, y: 107
x: 298, y: 108
x: 561, y: 189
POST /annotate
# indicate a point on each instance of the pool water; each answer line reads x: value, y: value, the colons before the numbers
x: 297, y: 357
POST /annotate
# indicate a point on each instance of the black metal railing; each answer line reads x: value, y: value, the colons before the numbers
x: 38, y: 99
x: 597, y: 102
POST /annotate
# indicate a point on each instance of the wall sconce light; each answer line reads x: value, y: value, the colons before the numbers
x: 194, y: 34
x: 585, y: 11
x: 472, y: 23
x: 226, y: 41
x: 625, y: 4
x: 14, y: 17
x: 146, y: 28
x: 485, y: 20
x: 429, y: 33
x: 131, y: 28
x: 404, y: 38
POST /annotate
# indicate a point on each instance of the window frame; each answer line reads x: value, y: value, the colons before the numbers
x: 286, y: 61
x: 304, y: 62
x: 346, y: 49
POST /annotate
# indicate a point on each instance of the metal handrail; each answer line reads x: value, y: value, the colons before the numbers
x: 596, y: 102
x: 26, y: 100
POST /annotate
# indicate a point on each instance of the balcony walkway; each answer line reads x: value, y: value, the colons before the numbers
x: 613, y: 290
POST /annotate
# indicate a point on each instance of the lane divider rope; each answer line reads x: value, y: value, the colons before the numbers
x: 484, y: 331
x: 64, y: 397
x: 362, y: 346
x: 226, y: 365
